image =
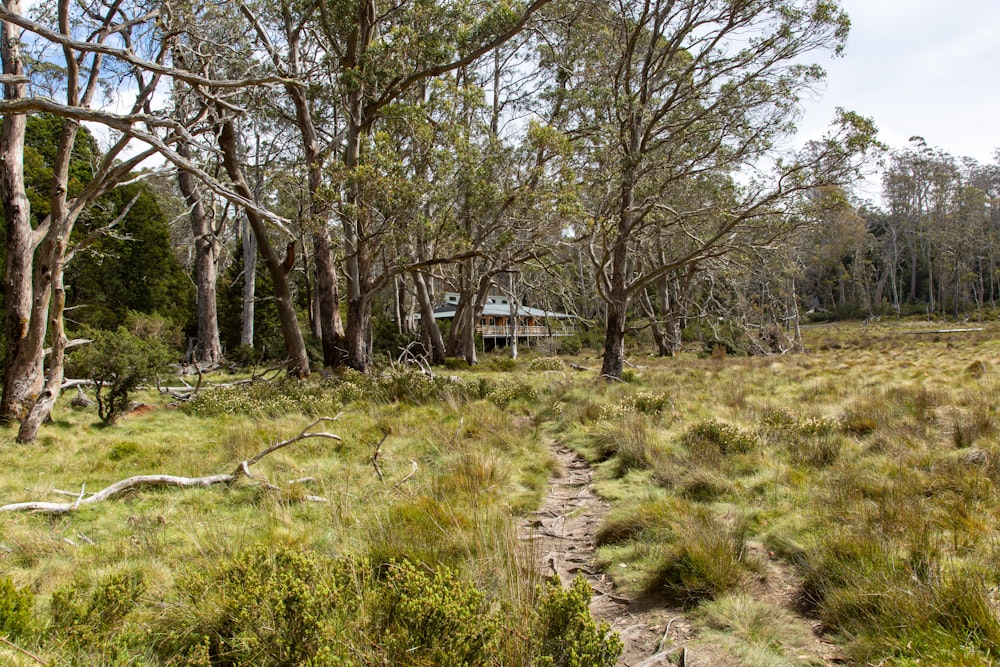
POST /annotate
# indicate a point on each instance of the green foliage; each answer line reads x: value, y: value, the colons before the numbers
x: 268, y: 339
x: 902, y: 603
x: 628, y: 439
x: 268, y: 398
x: 119, y: 361
x: 707, y: 558
x: 713, y: 436
x: 87, y: 616
x: 504, y: 392
x: 17, y: 619
x: 567, y: 634
x: 265, y: 607
x: 387, y: 340
x: 547, y: 364
x: 434, y: 618
x: 456, y: 363
x: 131, y: 269
x: 501, y: 363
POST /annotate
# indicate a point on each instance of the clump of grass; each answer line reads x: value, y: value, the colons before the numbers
x: 900, y: 599
x: 628, y: 440
x: 472, y: 473
x: 756, y: 632
x: 818, y: 451
x: 708, y: 558
x: 650, y: 520
x: 702, y: 484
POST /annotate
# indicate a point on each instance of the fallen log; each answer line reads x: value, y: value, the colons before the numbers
x: 157, y: 481
x: 940, y: 331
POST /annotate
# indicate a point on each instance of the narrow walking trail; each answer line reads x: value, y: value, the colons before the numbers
x: 562, y: 535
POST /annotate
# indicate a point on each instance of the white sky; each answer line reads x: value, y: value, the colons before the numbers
x: 919, y: 67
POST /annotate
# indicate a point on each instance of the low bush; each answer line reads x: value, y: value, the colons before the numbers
x: 433, y: 618
x: 17, y: 619
x: 86, y: 617
x: 118, y: 362
x: 713, y: 436
x: 566, y: 633
x: 547, y: 364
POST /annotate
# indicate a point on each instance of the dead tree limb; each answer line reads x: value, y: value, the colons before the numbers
x: 413, y: 471
x: 6, y: 642
x: 375, y: 455
x: 154, y: 481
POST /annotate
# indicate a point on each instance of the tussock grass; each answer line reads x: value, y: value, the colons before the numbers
x: 755, y: 632
x: 869, y: 468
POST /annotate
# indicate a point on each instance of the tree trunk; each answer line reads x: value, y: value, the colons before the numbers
x: 295, y: 348
x: 328, y: 298
x: 53, y: 251
x: 23, y: 367
x: 614, y: 337
x: 208, y: 350
x: 249, y: 283
x: 427, y: 321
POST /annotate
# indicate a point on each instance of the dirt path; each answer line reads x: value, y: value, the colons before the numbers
x: 562, y: 534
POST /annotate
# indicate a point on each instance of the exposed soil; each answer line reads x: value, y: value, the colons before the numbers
x: 653, y: 633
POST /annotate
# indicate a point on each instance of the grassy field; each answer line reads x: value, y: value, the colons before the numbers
x: 865, y: 469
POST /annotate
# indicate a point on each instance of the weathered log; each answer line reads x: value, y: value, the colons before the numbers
x: 155, y: 481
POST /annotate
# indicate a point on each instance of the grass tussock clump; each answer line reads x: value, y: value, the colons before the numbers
x: 901, y: 601
x: 628, y: 440
x: 650, y: 520
x: 707, y: 558
x: 756, y: 632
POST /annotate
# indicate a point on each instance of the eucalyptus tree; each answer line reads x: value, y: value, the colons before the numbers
x: 667, y: 91
x: 287, y: 33
x: 36, y: 254
x: 917, y: 186
x: 95, y: 47
x: 382, y: 51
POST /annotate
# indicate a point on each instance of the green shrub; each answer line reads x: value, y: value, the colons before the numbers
x: 260, y: 607
x: 119, y: 361
x: 245, y: 356
x: 547, y: 364
x: 17, y: 618
x: 501, y: 364
x: 505, y: 392
x: 433, y: 618
x: 719, y: 437
x: 566, y: 633
x: 456, y: 364
x: 88, y: 617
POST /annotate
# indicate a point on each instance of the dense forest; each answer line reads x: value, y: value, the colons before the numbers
x: 303, y: 181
